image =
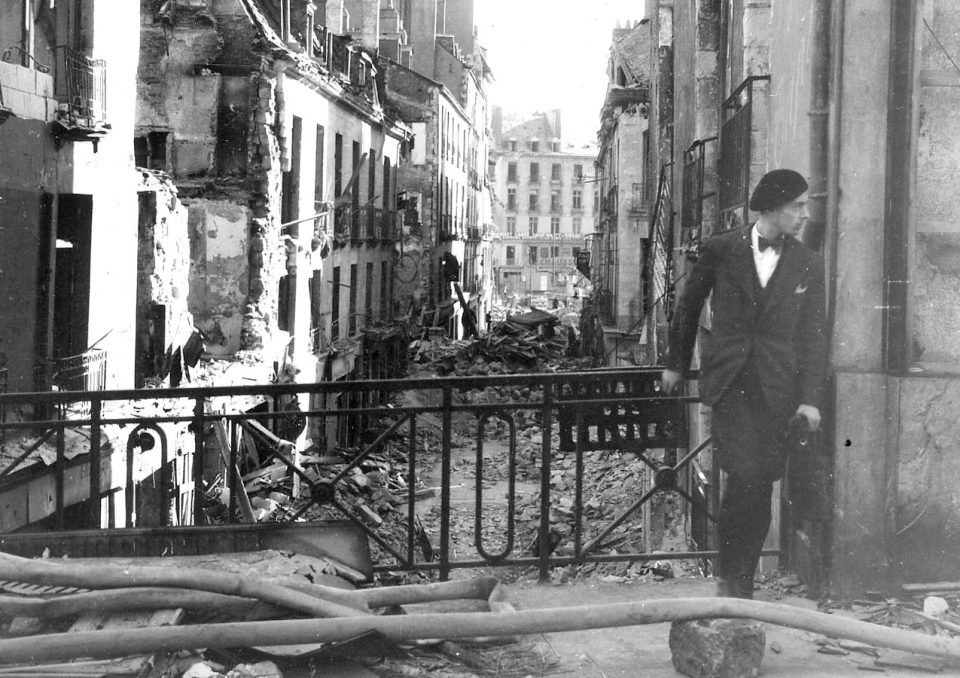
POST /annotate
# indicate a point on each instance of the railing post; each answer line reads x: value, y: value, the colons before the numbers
x: 445, y: 484
x: 198, y: 438
x: 546, y: 423
x: 233, y: 471
x: 93, y: 507
x: 411, y: 487
x: 578, y: 499
x: 61, y: 471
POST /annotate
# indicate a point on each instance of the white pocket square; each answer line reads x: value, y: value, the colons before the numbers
x: 800, y: 289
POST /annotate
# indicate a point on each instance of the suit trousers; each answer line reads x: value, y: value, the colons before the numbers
x: 748, y: 441
x: 743, y: 524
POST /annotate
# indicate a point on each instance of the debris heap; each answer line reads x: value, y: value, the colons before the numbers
x: 528, y: 342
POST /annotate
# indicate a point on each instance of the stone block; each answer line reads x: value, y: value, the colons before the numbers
x: 717, y: 648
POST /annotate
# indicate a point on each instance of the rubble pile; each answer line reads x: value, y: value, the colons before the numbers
x: 518, y: 344
x: 610, y: 480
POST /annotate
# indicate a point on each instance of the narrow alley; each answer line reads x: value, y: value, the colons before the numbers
x: 461, y: 338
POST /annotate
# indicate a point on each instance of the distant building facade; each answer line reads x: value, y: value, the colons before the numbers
x: 546, y: 205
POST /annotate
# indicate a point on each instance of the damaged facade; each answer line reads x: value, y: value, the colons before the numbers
x: 547, y: 204
x: 859, y: 96
x: 434, y: 76
x: 269, y: 120
x: 68, y: 196
x: 93, y: 259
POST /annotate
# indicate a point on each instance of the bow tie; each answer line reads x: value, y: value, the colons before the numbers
x: 775, y: 243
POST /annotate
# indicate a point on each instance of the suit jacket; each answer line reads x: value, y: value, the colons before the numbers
x: 780, y: 328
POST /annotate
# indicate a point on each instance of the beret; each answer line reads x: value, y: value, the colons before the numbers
x: 777, y: 188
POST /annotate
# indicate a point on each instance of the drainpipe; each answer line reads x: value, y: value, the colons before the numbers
x: 813, y: 234
x: 831, y: 236
x: 903, y: 17
x: 822, y: 230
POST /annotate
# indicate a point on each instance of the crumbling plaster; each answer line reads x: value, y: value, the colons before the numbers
x: 218, y: 280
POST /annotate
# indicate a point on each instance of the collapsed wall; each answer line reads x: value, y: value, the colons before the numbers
x: 165, y: 327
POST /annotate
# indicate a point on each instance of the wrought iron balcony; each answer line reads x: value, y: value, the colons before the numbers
x: 342, y: 218
x: 81, y: 88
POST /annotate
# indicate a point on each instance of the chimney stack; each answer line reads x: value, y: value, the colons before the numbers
x: 334, y: 17
x: 370, y: 24
x: 555, y: 123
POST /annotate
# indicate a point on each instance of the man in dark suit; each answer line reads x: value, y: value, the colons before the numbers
x: 762, y: 362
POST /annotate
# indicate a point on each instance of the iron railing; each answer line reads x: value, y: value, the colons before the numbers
x: 661, y: 240
x: 736, y: 149
x: 374, y: 217
x: 578, y: 415
x: 388, y: 226
x: 85, y: 82
x: 341, y: 222
x: 694, y: 195
x: 4, y: 384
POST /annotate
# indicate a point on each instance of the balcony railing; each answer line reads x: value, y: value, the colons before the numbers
x: 388, y: 225
x: 4, y: 373
x: 374, y: 217
x: 355, y: 222
x: 81, y: 85
x: 737, y: 134
x: 84, y: 372
x: 446, y: 227
x: 341, y: 222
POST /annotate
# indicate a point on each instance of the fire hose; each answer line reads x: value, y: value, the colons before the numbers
x: 462, y: 625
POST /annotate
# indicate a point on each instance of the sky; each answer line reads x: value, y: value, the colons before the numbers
x: 548, y: 54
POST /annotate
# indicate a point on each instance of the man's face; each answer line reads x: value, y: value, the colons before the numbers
x: 789, y: 218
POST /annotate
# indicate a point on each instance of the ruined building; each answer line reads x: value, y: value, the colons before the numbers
x: 269, y: 120
x: 547, y: 204
x: 94, y: 258
x: 76, y: 293
x: 435, y: 82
